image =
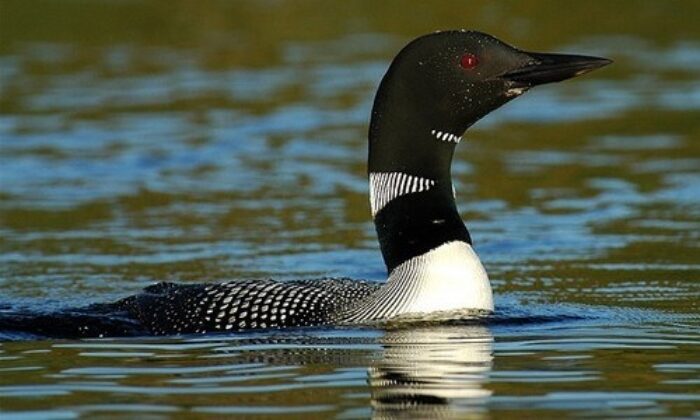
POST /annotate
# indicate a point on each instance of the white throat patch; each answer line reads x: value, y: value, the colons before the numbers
x: 386, y: 186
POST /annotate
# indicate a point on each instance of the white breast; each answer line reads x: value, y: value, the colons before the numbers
x: 449, y: 277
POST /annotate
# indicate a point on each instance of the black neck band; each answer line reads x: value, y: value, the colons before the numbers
x: 413, y: 224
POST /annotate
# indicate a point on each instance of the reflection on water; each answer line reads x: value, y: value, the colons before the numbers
x: 620, y: 363
x: 209, y: 141
x: 431, y: 371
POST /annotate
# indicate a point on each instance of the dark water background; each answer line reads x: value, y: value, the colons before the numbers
x: 208, y: 141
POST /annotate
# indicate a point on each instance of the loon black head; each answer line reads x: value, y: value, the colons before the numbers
x: 437, y: 87
x: 442, y: 83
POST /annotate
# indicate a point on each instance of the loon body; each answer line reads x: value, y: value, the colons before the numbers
x: 450, y: 277
x: 436, y: 87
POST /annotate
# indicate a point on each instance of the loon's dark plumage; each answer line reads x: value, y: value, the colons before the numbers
x: 436, y: 87
x: 168, y: 308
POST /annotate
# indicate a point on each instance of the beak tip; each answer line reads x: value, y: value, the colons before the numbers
x: 594, y: 63
x: 605, y: 61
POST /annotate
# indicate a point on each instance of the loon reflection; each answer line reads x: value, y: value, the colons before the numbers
x: 432, y: 371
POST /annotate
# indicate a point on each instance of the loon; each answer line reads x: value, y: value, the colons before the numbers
x: 434, y: 90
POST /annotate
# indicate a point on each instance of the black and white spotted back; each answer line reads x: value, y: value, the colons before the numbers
x: 168, y: 308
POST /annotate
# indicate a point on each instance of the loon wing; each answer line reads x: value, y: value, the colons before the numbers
x: 169, y: 308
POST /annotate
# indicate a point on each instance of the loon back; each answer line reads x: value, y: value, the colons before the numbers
x: 168, y: 308
x: 436, y: 87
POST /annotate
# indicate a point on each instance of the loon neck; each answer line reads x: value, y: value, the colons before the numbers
x: 426, y: 246
x: 412, y: 197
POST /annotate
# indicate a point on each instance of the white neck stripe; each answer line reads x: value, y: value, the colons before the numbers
x: 386, y: 186
x: 445, y: 136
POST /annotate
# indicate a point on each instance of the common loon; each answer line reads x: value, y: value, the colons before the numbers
x: 434, y: 90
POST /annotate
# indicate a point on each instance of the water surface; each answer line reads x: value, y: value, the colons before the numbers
x: 207, y: 141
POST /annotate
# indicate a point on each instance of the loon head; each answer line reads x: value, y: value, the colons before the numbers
x: 442, y: 83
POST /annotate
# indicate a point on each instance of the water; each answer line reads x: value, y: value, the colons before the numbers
x: 195, y: 142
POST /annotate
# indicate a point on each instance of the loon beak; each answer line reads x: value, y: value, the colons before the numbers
x: 550, y: 68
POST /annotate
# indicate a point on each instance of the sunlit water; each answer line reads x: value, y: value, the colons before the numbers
x: 187, y: 143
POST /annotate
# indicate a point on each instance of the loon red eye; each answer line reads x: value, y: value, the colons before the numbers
x: 468, y: 61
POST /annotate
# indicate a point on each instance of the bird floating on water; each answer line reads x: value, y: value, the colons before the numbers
x: 435, y: 89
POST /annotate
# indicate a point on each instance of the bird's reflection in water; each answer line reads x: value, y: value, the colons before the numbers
x: 432, y: 371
